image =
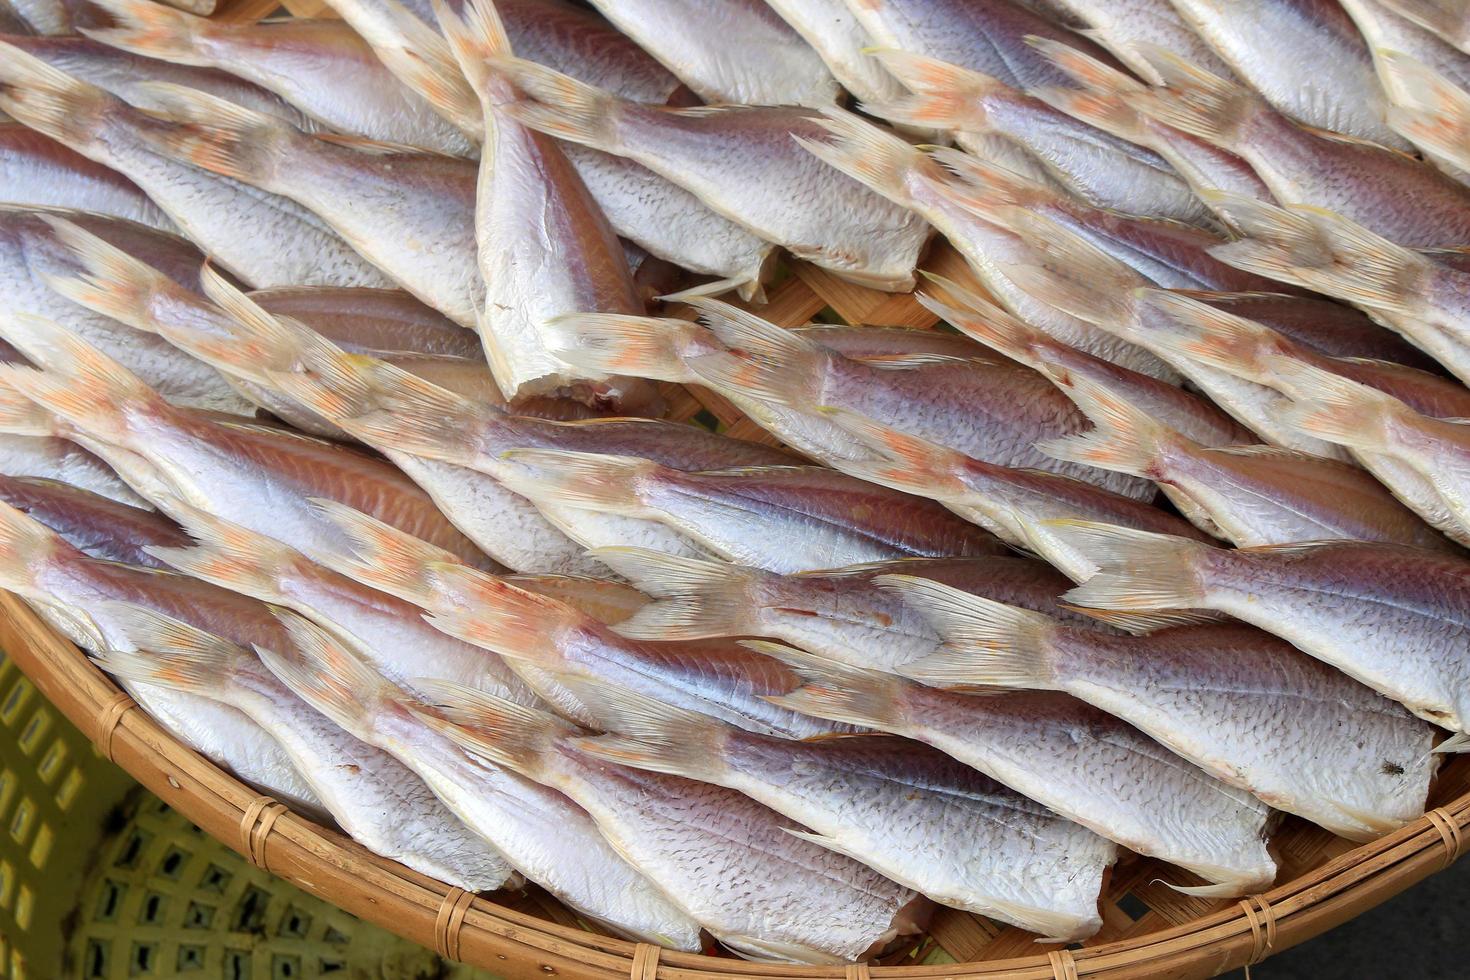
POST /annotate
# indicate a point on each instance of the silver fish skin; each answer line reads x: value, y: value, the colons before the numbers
x: 406, y: 212
x: 837, y: 36
x: 1238, y: 702
x: 1248, y: 495
x: 39, y: 171
x: 987, y: 36
x: 1416, y: 293
x: 97, y: 526
x: 1389, y: 616
x: 985, y: 114
x: 32, y: 252
x: 371, y: 795
x: 785, y: 898
x: 745, y: 162
x: 1318, y: 69
x: 1122, y: 27
x: 927, y: 821
x: 542, y: 833
x: 301, y: 60
x: 81, y: 597
x: 262, y: 477
x: 129, y: 76
x: 267, y: 240
x: 1077, y: 760
x: 840, y: 614
x: 739, y: 53
x: 913, y: 179
x: 1388, y: 192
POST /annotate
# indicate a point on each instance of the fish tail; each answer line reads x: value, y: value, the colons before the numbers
x: 1323, y: 251
x: 609, y: 484
x: 420, y: 57
x: 26, y: 545
x: 944, y: 96
x: 648, y: 734
x: 1102, y: 99
x: 768, y: 362
x: 615, y: 343
x: 1448, y: 20
x: 694, y: 598
x: 1428, y: 109
x: 506, y: 733
x: 1200, y: 332
x: 155, y: 31
x: 170, y: 653
x: 1334, y: 408
x: 1137, y: 570
x: 868, y: 154
x: 475, y: 35
x: 383, y: 557
x: 985, y: 643
x: 982, y: 320
x: 1071, y: 273
x: 496, y: 615
x: 837, y: 692
x: 1193, y: 100
x: 911, y: 463
x: 230, y: 556
x: 559, y: 105
x: 49, y: 100
x: 77, y: 382
x: 1123, y: 438
x: 109, y: 280
x: 323, y: 672
x: 984, y: 186
x: 19, y: 416
x: 220, y: 136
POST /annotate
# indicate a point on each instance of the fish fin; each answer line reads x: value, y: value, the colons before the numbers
x: 110, y: 281
x: 766, y: 362
x: 25, y: 547
x: 1428, y: 109
x: 322, y: 671
x: 1140, y: 622
x: 1193, y: 100
x: 648, y: 734
x: 561, y: 106
x: 226, y: 554
x: 835, y: 691
x: 49, y: 100
x: 496, y: 615
x: 1458, y: 742
x: 170, y: 653
x: 154, y: 31
x: 19, y: 416
x: 984, y: 186
x: 506, y: 733
x: 944, y: 96
x: 1324, y: 251
x: 983, y: 321
x: 1085, y: 70
x: 1074, y: 275
x: 475, y: 35
x: 78, y: 382
x: 381, y: 556
x: 384, y: 405
x: 588, y: 480
x: 694, y: 598
x: 986, y: 643
x: 219, y: 135
x: 1228, y: 889
x: 1447, y: 20
x: 618, y: 344
x: 868, y: 154
x: 1124, y: 438
x: 1214, y: 337
x: 1335, y: 408
x: 1102, y: 101
x: 912, y: 464
x: 418, y: 56
x: 1137, y: 570
x: 259, y: 341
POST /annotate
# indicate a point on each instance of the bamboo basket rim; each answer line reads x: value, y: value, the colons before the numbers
x: 482, y: 933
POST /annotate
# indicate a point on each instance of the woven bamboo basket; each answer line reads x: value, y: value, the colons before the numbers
x: 1150, y: 930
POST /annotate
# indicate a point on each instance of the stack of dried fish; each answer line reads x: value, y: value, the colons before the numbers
x: 336, y: 352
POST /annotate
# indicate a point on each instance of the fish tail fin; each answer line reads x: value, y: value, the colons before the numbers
x: 835, y: 691
x: 588, y: 480
x: 379, y: 555
x: 1102, y: 100
x: 944, y: 96
x: 170, y: 653
x: 694, y: 598
x: 1085, y: 70
x: 767, y: 362
x: 648, y: 734
x: 868, y: 154
x: 475, y: 35
x: 508, y: 734
x: 418, y: 56
x: 984, y: 186
x: 19, y: 416
x: 1323, y: 251
x: 496, y: 615
x: 248, y: 341
x: 1200, y: 332
x: 26, y: 545
x: 77, y: 381
x: 155, y: 31
x: 985, y: 642
x: 1448, y: 20
x: 1193, y: 100
x: 49, y: 100
x: 1138, y: 570
x: 322, y: 671
x: 984, y: 321
x: 561, y: 106
x: 230, y: 556
x: 110, y: 281
x: 1428, y: 109
x: 1335, y: 408
x: 618, y: 344
x: 1072, y: 274
x: 912, y: 463
x: 220, y: 136
x: 1124, y: 438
